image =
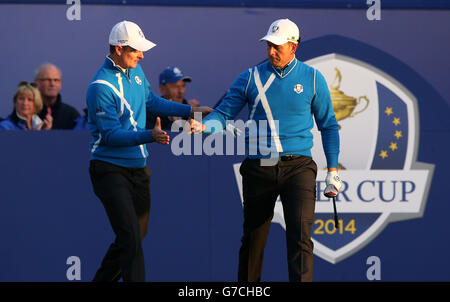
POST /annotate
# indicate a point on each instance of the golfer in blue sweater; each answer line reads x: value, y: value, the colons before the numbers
x: 117, y: 98
x: 283, y: 95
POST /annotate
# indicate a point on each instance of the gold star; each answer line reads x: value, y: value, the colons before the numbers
x: 393, y: 146
x: 398, y: 134
x: 383, y: 154
x: 388, y: 110
x: 396, y: 121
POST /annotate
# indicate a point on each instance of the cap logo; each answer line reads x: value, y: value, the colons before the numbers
x: 177, y: 71
x: 275, y: 28
x: 298, y: 88
x: 138, y: 80
x: 140, y: 33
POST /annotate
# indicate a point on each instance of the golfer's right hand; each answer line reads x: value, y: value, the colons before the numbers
x: 196, y: 126
x: 158, y: 135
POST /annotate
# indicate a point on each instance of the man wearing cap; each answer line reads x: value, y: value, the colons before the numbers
x: 282, y: 95
x: 117, y: 98
x: 172, y: 84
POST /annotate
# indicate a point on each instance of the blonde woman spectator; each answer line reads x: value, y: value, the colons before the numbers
x: 27, y: 105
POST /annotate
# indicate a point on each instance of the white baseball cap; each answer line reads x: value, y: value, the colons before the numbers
x: 127, y: 33
x: 282, y: 31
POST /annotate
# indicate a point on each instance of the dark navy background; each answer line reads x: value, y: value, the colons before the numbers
x: 48, y: 211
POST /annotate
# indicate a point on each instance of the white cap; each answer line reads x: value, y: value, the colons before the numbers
x: 282, y: 31
x: 127, y: 33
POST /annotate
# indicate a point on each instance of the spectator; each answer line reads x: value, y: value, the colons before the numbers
x: 27, y: 105
x: 172, y: 85
x: 48, y: 79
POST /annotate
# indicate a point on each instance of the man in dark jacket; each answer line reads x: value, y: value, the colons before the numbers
x: 48, y: 79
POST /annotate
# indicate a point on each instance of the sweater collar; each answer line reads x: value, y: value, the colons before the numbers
x: 111, y: 64
x: 282, y: 72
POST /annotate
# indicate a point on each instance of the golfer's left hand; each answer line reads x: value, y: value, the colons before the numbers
x: 160, y: 136
x: 334, y: 184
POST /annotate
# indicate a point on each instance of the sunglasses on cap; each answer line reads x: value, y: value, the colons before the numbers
x: 25, y: 83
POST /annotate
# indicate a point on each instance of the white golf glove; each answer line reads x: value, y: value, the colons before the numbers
x: 334, y: 184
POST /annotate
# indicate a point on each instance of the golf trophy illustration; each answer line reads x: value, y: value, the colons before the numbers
x: 344, y: 105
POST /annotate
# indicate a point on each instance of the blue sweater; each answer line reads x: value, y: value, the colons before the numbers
x: 116, y: 104
x: 282, y: 104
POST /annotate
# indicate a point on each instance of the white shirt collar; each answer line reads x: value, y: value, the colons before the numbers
x: 35, y: 120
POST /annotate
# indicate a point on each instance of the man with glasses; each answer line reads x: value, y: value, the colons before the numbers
x: 48, y: 79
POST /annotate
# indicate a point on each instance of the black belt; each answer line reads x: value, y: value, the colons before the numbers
x: 289, y: 157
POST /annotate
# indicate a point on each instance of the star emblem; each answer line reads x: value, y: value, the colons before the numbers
x: 383, y: 154
x: 398, y: 134
x: 396, y: 121
x: 393, y: 146
x: 388, y: 110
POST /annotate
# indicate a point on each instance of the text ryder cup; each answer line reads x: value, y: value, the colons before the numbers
x: 369, y: 191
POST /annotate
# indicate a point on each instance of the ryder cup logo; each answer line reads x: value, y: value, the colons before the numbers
x: 138, y: 80
x: 382, y: 181
x: 298, y: 88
